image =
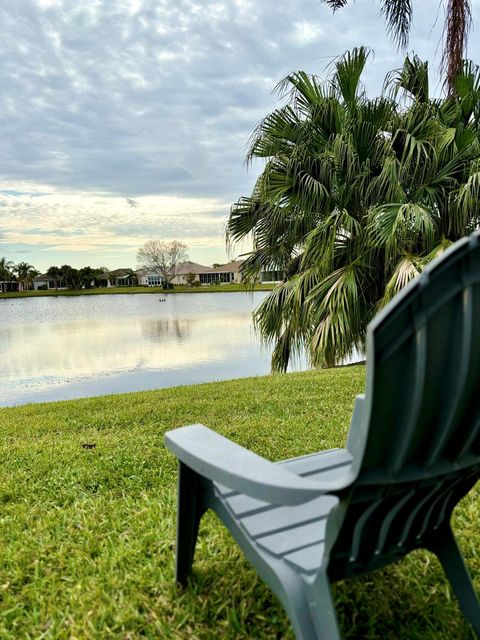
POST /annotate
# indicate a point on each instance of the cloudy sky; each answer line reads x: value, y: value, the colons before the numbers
x: 126, y: 120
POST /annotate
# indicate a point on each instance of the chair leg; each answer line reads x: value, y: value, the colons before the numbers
x: 190, y: 509
x: 310, y: 610
x: 323, y: 610
x: 445, y: 546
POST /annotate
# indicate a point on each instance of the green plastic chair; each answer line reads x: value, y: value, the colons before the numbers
x: 413, y: 451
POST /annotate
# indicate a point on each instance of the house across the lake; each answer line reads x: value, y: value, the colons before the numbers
x: 117, y: 278
x: 43, y: 281
x: 7, y: 286
x: 225, y: 273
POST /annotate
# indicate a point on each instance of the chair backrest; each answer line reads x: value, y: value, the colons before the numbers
x: 419, y: 446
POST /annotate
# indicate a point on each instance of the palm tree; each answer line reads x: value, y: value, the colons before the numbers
x: 357, y: 195
x: 458, y: 20
x: 6, y: 269
x: 25, y: 273
x: 55, y: 273
x: 132, y: 278
x: 6, y: 274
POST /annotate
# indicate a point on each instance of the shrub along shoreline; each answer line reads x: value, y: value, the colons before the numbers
x: 87, y: 534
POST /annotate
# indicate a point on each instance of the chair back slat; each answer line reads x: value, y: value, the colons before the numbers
x: 455, y: 402
x: 416, y: 393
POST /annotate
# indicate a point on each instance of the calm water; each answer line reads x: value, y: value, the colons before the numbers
x: 61, y: 348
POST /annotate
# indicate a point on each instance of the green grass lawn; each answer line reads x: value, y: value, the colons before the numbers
x: 87, y: 535
x: 216, y: 288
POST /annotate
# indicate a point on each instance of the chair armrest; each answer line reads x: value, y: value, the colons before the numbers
x: 220, y: 460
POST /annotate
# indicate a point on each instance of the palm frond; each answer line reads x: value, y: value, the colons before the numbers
x: 335, y: 4
x: 412, y: 79
x: 402, y: 224
x: 339, y: 308
x: 349, y: 69
x: 398, y: 14
x: 407, y: 268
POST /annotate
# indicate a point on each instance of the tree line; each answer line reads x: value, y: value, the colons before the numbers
x: 165, y: 258
x: 65, y: 276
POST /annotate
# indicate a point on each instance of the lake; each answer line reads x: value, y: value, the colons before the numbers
x: 57, y: 348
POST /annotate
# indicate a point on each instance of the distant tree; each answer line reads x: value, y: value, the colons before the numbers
x: 132, y: 276
x: 25, y: 273
x: 190, y: 278
x: 87, y: 275
x: 54, y: 273
x: 215, y: 265
x: 6, y: 269
x: 71, y: 276
x: 163, y: 258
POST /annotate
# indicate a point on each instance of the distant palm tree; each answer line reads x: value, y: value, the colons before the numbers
x: 6, y: 269
x: 132, y: 278
x: 25, y: 273
x: 6, y: 273
x: 458, y: 19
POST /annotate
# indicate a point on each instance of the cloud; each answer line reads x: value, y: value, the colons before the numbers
x: 156, y: 97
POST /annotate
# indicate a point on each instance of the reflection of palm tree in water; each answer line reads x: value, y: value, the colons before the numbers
x: 166, y: 329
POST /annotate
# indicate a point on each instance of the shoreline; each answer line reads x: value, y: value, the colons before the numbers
x: 221, y: 288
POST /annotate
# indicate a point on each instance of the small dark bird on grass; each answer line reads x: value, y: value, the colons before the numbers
x: 86, y: 445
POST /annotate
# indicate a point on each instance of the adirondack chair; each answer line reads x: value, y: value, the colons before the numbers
x: 413, y: 451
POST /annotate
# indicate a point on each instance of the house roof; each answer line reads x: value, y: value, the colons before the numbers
x: 118, y: 273
x: 188, y: 267
x: 192, y: 267
x: 229, y: 267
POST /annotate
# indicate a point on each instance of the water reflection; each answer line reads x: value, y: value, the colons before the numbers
x: 55, y: 348
x: 159, y: 330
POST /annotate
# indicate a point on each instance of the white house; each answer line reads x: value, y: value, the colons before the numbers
x: 43, y: 281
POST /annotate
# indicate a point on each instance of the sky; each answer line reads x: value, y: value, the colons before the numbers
x: 128, y: 120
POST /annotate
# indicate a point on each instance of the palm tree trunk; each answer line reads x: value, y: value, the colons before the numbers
x: 457, y: 25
